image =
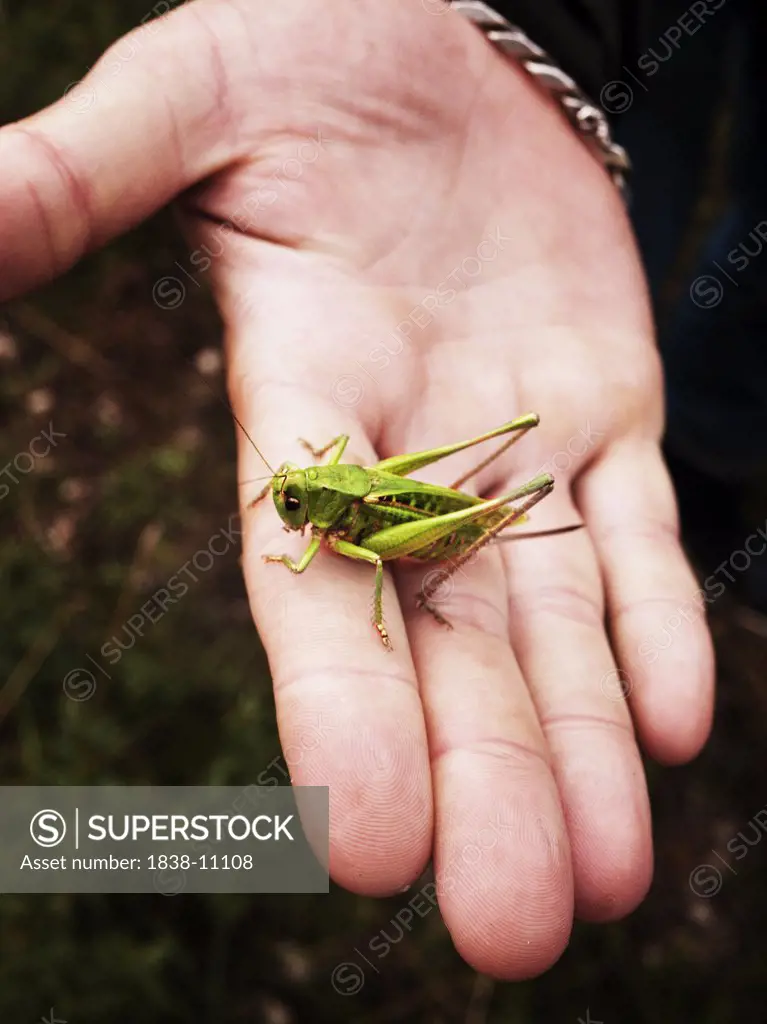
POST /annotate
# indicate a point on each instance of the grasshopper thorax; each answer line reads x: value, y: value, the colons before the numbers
x: 291, y: 495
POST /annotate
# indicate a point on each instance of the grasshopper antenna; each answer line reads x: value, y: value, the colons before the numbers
x: 242, y: 428
x: 255, y: 480
x: 541, y: 533
x: 234, y: 417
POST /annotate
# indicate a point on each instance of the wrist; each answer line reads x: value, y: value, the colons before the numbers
x: 586, y: 118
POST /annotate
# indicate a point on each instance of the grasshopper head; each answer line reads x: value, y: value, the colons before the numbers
x: 291, y: 496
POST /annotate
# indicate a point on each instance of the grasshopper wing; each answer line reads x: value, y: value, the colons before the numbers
x: 422, y: 500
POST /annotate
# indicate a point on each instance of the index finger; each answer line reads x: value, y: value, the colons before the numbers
x: 349, y: 712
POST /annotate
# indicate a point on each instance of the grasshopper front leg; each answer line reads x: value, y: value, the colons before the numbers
x: 339, y: 443
x: 344, y: 547
x: 261, y: 495
x: 268, y: 488
x: 302, y: 564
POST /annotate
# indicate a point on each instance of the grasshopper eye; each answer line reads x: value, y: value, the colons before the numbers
x: 292, y: 504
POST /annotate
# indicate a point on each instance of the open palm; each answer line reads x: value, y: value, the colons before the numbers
x: 408, y: 245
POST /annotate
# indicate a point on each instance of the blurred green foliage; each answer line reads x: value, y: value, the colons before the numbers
x: 143, y: 478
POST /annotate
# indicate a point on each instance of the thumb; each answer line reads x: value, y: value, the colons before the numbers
x: 156, y: 114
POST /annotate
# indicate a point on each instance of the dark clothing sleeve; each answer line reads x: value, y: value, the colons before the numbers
x: 589, y: 39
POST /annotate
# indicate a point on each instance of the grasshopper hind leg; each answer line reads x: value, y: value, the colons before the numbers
x: 431, y: 583
x: 432, y: 586
x: 422, y: 602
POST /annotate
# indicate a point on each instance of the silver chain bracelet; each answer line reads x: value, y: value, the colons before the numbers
x: 589, y: 120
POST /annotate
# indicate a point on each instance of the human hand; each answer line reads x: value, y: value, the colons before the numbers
x: 372, y: 155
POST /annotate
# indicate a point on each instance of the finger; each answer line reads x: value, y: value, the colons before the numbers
x: 558, y: 634
x: 148, y: 121
x: 330, y: 667
x: 501, y: 853
x: 656, y: 610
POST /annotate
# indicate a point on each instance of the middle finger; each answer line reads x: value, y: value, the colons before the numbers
x: 501, y: 852
x: 558, y: 633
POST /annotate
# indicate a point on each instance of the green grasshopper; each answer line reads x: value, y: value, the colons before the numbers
x: 376, y: 514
